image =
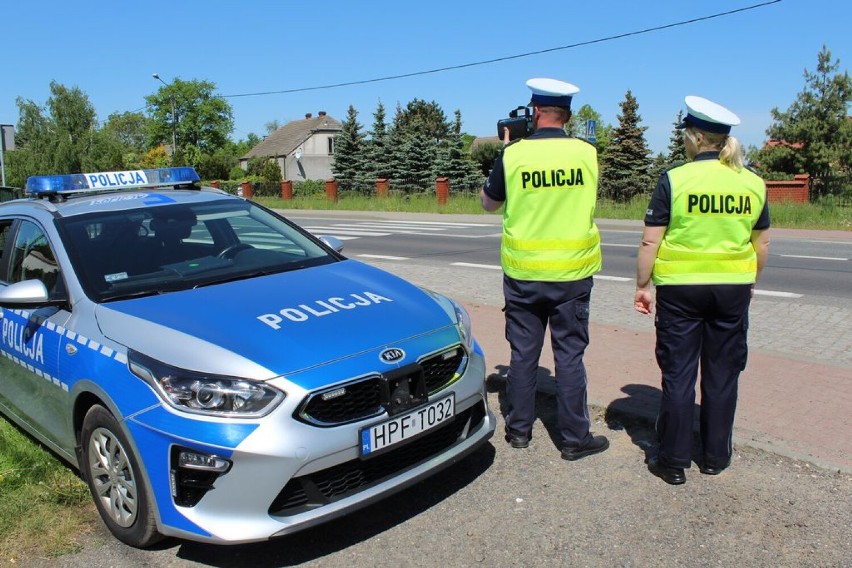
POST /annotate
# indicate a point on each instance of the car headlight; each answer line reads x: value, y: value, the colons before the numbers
x: 459, y: 315
x: 203, y: 393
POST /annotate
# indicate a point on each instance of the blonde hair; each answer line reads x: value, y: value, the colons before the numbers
x: 731, y: 152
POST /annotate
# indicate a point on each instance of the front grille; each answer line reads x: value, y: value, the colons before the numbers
x: 323, y: 487
x: 441, y: 369
x: 363, y: 398
x: 360, y: 400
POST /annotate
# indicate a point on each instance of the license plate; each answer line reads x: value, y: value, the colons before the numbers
x: 407, y: 426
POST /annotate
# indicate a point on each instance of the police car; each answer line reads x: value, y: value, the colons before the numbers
x: 215, y: 372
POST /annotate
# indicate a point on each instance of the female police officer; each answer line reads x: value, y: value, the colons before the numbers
x: 704, y: 245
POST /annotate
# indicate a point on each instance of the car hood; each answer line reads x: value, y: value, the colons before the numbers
x: 277, y: 324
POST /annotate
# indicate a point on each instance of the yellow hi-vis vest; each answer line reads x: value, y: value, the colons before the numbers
x: 549, y: 233
x: 708, y: 240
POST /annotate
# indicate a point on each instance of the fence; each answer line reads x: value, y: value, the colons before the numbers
x: 832, y: 186
x: 440, y: 187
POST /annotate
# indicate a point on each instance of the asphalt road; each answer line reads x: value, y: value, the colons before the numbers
x: 505, y: 507
x: 800, y: 263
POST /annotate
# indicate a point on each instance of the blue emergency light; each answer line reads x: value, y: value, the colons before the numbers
x: 104, y: 181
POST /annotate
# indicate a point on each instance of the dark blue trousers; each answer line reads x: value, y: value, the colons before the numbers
x: 530, y: 308
x: 702, y: 325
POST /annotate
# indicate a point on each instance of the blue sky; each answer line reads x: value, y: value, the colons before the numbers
x: 749, y: 61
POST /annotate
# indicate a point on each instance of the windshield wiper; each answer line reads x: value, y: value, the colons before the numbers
x: 236, y: 277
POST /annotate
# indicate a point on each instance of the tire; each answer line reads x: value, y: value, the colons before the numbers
x: 113, y: 475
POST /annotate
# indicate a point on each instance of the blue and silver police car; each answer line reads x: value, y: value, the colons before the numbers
x: 215, y: 372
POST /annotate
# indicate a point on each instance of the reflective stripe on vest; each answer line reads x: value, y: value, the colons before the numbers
x: 548, y: 223
x: 708, y: 240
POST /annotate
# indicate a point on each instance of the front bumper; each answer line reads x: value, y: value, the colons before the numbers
x: 288, y: 475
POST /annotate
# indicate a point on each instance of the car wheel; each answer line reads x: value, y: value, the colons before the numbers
x: 113, y: 474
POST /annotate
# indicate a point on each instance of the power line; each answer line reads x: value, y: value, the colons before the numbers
x: 508, y: 57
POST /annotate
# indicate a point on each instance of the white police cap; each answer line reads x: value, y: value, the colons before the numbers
x: 552, y: 92
x: 707, y: 115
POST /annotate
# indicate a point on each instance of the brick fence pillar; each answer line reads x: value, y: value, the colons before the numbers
x: 286, y: 190
x: 442, y: 190
x: 381, y: 187
x: 331, y: 190
x: 246, y: 188
x: 215, y: 183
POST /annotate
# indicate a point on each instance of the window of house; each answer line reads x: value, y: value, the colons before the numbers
x: 330, y: 145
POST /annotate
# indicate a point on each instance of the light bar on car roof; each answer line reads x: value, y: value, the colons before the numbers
x: 75, y: 183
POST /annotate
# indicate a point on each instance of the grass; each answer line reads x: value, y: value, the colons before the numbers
x: 824, y: 216
x: 44, y: 507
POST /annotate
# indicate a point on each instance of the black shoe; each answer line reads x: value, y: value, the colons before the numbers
x: 711, y: 470
x: 671, y: 475
x: 516, y: 440
x: 595, y: 446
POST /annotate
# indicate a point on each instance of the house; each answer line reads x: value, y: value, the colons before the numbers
x: 304, y: 149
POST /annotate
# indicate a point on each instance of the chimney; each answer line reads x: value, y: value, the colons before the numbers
x: 308, y: 115
x: 322, y: 113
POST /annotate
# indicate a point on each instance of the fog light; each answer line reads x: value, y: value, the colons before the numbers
x: 192, y: 475
x: 195, y: 460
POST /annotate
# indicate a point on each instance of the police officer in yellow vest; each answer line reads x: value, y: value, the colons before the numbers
x: 704, y: 245
x: 550, y: 250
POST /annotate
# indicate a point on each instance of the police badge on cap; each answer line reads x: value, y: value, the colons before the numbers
x: 552, y: 92
x: 707, y: 115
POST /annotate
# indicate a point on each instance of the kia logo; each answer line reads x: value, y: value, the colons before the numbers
x: 392, y: 355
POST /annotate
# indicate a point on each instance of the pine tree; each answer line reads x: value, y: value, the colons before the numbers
x: 452, y: 162
x: 676, y: 151
x: 348, y: 164
x: 625, y: 165
x: 814, y: 135
x: 415, y: 162
x: 378, y: 156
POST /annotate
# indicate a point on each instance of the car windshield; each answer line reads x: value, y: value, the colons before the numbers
x: 138, y: 252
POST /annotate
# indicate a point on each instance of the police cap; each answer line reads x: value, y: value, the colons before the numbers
x: 707, y: 115
x: 552, y: 92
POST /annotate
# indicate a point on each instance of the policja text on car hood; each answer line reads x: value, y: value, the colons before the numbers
x: 282, y: 322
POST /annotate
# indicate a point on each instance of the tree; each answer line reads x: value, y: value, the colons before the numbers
x: 424, y: 119
x: 130, y: 129
x: 415, y: 161
x: 452, y: 161
x: 576, y: 127
x: 202, y: 120
x: 129, y: 132
x: 60, y: 138
x: 484, y: 154
x: 349, y: 148
x: 378, y: 159
x: 814, y: 135
x: 625, y: 164
x: 272, y: 126
x: 676, y: 150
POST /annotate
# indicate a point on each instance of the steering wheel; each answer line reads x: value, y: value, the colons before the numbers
x: 232, y: 250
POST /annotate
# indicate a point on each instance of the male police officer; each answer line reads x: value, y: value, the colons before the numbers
x: 550, y: 250
x: 705, y: 243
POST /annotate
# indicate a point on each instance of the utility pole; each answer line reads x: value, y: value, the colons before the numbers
x: 174, y: 118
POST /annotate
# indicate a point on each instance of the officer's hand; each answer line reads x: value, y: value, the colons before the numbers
x: 644, y: 301
x: 505, y: 136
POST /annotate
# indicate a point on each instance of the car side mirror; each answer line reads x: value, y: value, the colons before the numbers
x: 24, y: 293
x: 333, y: 243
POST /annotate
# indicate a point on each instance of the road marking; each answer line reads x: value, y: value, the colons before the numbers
x: 813, y: 257
x: 612, y: 278
x: 472, y: 265
x: 353, y: 232
x: 777, y: 294
x: 383, y: 257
